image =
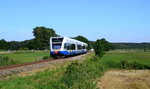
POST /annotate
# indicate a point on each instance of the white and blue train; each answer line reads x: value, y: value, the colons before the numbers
x: 64, y: 46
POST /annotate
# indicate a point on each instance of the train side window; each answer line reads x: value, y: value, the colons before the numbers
x: 79, y: 47
x: 72, y: 46
x: 83, y: 47
x: 65, y: 46
x: 68, y: 46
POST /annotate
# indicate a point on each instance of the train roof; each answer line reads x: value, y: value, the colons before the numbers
x: 71, y: 39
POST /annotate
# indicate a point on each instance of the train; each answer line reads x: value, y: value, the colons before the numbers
x: 65, y: 46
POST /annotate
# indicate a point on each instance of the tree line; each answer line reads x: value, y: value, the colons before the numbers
x: 40, y: 42
x: 131, y: 45
x: 43, y: 34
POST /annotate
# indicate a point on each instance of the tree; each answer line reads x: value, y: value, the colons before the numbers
x: 4, y: 44
x: 42, y: 36
x: 83, y: 39
x: 99, y: 48
x: 106, y: 44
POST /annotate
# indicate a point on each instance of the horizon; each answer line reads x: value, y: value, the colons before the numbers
x: 117, y: 21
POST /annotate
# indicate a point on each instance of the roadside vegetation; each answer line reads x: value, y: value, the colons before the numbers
x: 4, y: 61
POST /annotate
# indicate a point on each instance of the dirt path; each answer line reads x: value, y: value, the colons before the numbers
x: 125, y: 79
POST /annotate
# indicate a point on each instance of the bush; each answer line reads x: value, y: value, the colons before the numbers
x: 99, y: 48
x: 80, y: 75
x: 46, y: 57
x: 125, y: 64
x: 4, y: 61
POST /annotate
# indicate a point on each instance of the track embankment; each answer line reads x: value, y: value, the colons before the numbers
x: 15, y: 69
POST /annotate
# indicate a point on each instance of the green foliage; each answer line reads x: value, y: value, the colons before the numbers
x: 131, y: 45
x: 4, y: 61
x: 80, y: 75
x: 40, y: 42
x: 99, y: 48
x: 46, y: 57
x: 4, y: 45
x: 83, y: 39
x: 106, y: 44
x: 42, y: 36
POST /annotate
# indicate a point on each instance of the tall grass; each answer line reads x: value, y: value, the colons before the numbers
x: 81, y: 75
x: 4, y: 61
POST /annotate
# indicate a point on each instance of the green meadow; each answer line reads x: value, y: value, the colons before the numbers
x: 137, y: 56
x: 25, y: 56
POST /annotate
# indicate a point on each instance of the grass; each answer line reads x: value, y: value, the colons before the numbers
x: 80, y: 75
x: 47, y: 79
x: 129, y: 56
x: 25, y: 56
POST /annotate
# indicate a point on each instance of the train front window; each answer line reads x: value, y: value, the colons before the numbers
x: 56, y: 46
x: 57, y: 39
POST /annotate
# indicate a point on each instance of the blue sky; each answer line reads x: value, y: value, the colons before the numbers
x: 115, y: 20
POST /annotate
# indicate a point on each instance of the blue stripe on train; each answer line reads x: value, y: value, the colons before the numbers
x: 60, y: 53
x: 66, y: 53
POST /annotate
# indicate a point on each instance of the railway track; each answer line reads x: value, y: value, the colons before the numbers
x: 24, y: 64
x: 15, y: 69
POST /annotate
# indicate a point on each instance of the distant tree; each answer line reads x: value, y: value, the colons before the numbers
x: 42, y: 37
x: 83, y: 39
x: 4, y: 45
x: 141, y: 46
x: 14, y: 45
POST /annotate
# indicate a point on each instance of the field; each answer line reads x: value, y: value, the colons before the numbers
x: 86, y: 74
x: 138, y: 56
x: 125, y: 79
x: 25, y: 56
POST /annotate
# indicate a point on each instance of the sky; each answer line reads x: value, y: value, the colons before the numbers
x: 114, y: 20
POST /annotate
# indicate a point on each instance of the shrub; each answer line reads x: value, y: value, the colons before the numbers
x: 46, y: 57
x: 99, y: 48
x: 125, y: 64
x: 81, y: 75
x: 6, y: 61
